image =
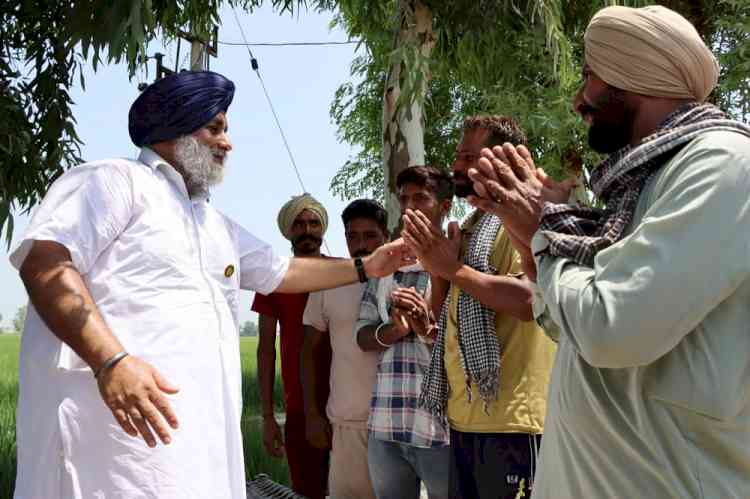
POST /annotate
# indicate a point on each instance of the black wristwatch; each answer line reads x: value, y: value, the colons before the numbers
x: 360, y: 269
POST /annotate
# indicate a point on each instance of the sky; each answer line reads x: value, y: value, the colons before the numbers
x: 259, y: 179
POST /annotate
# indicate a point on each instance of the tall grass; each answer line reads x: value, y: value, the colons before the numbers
x: 9, y: 347
x: 256, y: 461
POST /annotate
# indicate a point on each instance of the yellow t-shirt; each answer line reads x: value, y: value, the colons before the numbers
x: 527, y: 358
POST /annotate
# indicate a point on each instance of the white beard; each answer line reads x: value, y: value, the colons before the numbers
x: 199, y: 168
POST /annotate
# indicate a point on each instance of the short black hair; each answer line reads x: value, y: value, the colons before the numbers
x: 501, y: 129
x: 366, y: 208
x: 437, y: 180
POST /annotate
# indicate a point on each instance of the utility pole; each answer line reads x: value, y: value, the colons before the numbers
x: 198, y: 57
x: 201, y: 48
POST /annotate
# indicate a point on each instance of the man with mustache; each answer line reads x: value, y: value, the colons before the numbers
x: 329, y: 321
x: 649, y: 396
x: 407, y: 444
x: 303, y: 221
x: 491, y: 362
x: 132, y: 334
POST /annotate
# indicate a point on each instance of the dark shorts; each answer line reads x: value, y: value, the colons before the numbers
x: 308, y: 466
x: 492, y: 465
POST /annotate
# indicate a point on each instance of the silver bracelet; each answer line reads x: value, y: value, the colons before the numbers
x: 110, y: 362
x: 377, y: 338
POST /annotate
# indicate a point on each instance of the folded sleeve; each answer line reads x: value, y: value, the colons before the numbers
x: 85, y: 210
x: 368, y: 307
x: 265, y: 305
x: 687, y: 254
x: 261, y: 269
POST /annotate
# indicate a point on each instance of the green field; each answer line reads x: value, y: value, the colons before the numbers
x: 256, y: 460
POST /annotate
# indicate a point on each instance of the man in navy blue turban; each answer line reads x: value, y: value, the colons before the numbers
x: 178, y: 105
x: 134, y: 282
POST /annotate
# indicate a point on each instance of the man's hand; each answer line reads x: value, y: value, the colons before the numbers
x: 510, y: 186
x: 437, y: 253
x: 273, y: 441
x: 387, y: 259
x: 415, y: 308
x: 318, y: 431
x: 399, y: 325
x: 134, y: 392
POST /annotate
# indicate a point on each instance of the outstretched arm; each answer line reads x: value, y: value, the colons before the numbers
x: 313, y: 274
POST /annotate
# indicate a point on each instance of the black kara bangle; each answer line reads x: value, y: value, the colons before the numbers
x: 360, y: 269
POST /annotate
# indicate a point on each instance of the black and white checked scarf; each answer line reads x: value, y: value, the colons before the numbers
x: 578, y: 232
x: 479, y: 348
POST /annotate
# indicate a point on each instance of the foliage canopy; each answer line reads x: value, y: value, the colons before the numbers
x: 519, y: 58
x: 514, y: 57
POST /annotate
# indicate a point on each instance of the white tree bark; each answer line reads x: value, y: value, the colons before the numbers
x: 403, y: 125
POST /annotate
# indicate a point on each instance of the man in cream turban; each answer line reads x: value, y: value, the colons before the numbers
x: 650, y: 394
x: 303, y: 221
x: 129, y: 375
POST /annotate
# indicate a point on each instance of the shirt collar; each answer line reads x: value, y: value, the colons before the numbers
x: 151, y: 159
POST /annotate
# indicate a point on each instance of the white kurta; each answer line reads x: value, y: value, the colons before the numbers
x: 156, y: 263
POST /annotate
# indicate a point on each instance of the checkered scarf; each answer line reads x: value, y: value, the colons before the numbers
x: 479, y: 348
x: 578, y: 232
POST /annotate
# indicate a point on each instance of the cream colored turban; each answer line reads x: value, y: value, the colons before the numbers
x: 650, y: 51
x: 294, y: 207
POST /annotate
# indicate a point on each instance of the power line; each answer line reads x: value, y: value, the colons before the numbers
x: 254, y: 65
x: 287, y: 44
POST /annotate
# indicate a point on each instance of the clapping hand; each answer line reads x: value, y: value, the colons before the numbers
x: 438, y: 254
x: 509, y: 185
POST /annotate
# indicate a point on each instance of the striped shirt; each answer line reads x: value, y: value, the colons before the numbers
x: 395, y: 415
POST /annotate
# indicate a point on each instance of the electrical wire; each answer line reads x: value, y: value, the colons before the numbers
x: 287, y: 44
x: 255, y: 67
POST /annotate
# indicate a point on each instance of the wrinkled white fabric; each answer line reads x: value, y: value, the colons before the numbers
x: 157, y: 265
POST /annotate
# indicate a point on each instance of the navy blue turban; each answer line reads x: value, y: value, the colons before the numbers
x: 178, y: 105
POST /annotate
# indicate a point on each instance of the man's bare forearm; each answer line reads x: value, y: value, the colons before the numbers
x: 311, y: 366
x: 60, y: 297
x: 367, y: 341
x: 440, y: 289
x: 505, y: 294
x: 266, y: 356
x: 314, y: 274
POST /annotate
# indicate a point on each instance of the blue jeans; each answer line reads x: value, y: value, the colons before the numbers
x: 396, y: 470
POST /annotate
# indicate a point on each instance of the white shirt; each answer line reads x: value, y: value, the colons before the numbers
x: 353, y: 371
x: 165, y: 273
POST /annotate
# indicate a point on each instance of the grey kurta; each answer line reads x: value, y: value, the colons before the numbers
x: 650, y: 393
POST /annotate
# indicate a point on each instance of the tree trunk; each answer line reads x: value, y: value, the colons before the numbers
x: 403, y: 120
